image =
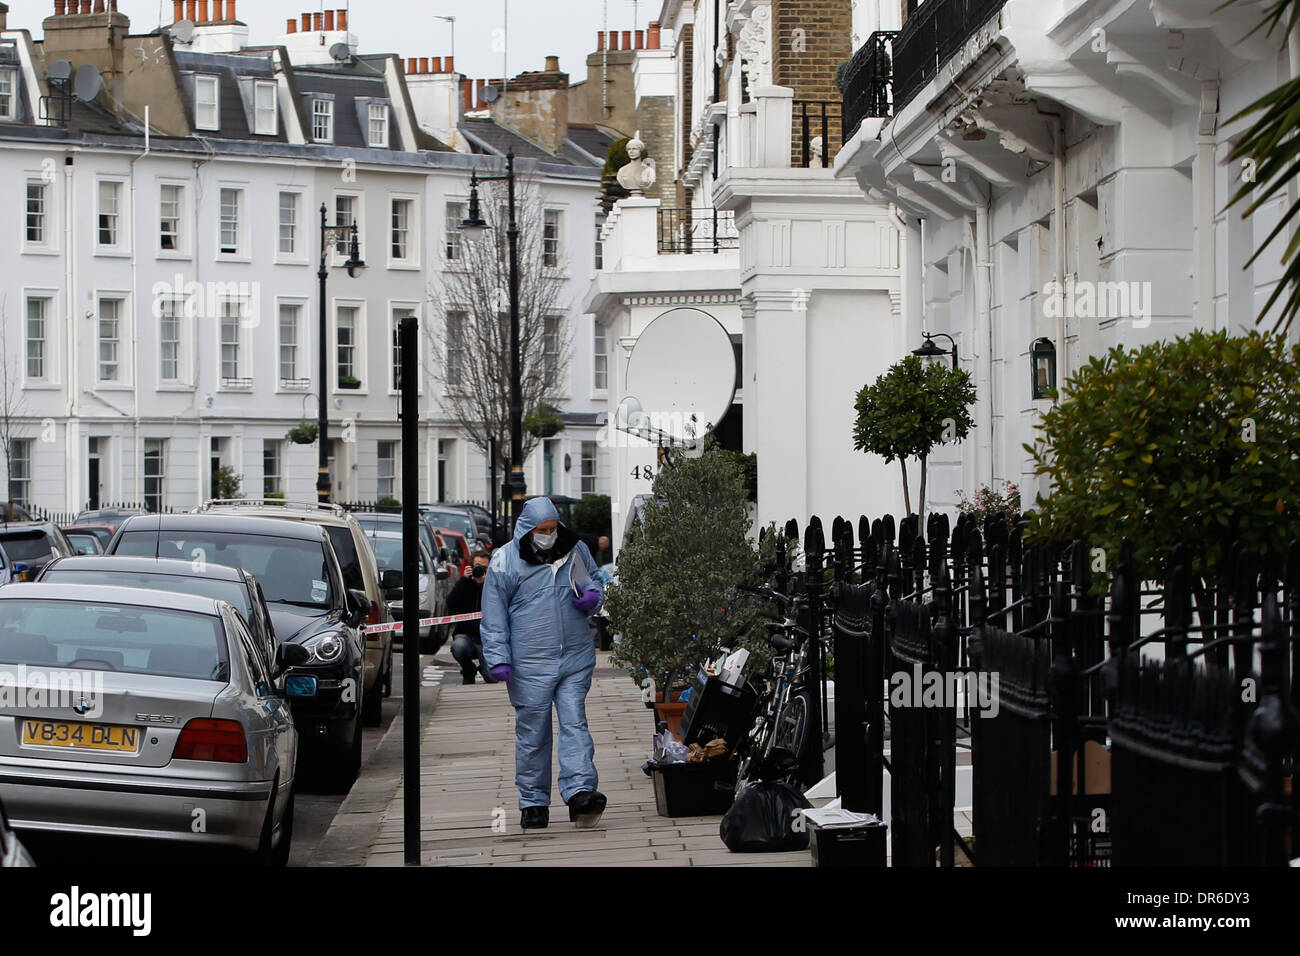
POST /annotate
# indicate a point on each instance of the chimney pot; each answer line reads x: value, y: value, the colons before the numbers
x: 292, y: 27
x: 203, y: 12
x: 99, y: 6
x: 640, y: 39
x: 230, y: 10
x: 342, y: 19
x: 424, y: 64
x: 552, y: 64
x: 85, y: 6
x: 306, y: 23
x: 329, y: 20
x: 437, y: 65
x: 451, y: 64
x: 318, y: 23
x: 627, y: 39
x: 600, y: 40
x: 467, y: 85
x: 218, y: 11
x: 178, y: 11
x: 653, y: 35
x: 192, y: 10
x: 613, y: 39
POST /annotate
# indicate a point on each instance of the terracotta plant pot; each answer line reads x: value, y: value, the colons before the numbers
x: 672, y: 713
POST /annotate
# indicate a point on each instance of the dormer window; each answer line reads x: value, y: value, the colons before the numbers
x: 207, y: 102
x: 8, y: 95
x: 266, y: 120
x: 378, y: 133
x: 322, y: 120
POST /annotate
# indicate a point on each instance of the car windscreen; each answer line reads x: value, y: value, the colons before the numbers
x: 28, y: 546
x: 103, y: 534
x: 84, y: 543
x: 453, y: 521
x: 231, y: 591
x: 388, y: 552
x: 290, y: 570
x: 113, y: 637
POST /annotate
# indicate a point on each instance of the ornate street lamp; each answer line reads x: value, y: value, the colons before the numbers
x: 355, y: 266
x: 929, y: 351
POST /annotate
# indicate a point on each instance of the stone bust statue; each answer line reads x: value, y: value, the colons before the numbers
x: 639, y: 174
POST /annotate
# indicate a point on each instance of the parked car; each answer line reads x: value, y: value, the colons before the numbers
x: 12, y: 852
x: 360, y: 573
x: 108, y: 517
x: 432, y: 588
x: 104, y: 532
x: 454, y: 520
x: 11, y: 511
x: 6, y: 567
x: 83, y: 542
x: 490, y: 530
x: 459, y: 551
x: 32, y: 545
x: 379, y: 521
x: 233, y: 585
x: 188, y: 719
x: 295, y: 565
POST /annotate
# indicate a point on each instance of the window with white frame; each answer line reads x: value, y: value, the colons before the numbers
x: 290, y: 319
x: 551, y: 349
x: 401, y: 230
x: 155, y: 473
x: 551, y: 238
x: 378, y: 114
x: 346, y: 343
x: 265, y: 117
x: 345, y: 215
x: 231, y: 353
x: 271, y: 481
x: 455, y: 216
x: 600, y: 246
x: 110, y: 210
x: 288, y: 224
x: 170, y: 211
x: 207, y: 114
x: 169, y: 339
x: 20, y: 471
x: 37, y: 212
x: 8, y: 95
x: 588, y: 471
x: 110, y: 340
x: 600, y: 352
x: 38, y: 309
x: 455, y: 347
x: 399, y: 313
x: 231, y: 202
x: 322, y: 120
x: 387, y: 455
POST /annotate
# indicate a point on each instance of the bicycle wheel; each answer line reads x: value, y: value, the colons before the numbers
x: 791, y: 731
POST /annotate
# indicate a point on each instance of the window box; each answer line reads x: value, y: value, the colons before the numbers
x: 349, y: 381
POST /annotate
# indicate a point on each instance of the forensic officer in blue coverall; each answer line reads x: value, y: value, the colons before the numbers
x: 536, y: 639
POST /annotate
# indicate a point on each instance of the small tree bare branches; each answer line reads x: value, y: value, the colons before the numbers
x: 469, y: 320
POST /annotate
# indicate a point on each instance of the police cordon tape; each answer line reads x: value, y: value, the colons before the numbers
x: 424, y: 622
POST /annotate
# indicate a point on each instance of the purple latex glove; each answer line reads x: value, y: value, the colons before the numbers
x: 587, y: 601
x: 502, y: 673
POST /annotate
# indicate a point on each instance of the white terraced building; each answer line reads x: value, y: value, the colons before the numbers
x: 1032, y: 146
x: 160, y: 315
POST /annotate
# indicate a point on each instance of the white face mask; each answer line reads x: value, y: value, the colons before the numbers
x: 543, y: 542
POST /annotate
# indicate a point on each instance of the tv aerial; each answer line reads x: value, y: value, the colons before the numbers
x: 182, y: 31
x: 88, y: 83
x: 341, y: 52
x: 681, y: 379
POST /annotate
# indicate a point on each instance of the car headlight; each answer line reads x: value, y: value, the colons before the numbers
x: 326, y: 648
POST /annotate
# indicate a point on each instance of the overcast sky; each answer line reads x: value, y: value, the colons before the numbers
x: 536, y: 28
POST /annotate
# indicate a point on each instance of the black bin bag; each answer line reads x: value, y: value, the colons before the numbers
x: 765, y: 817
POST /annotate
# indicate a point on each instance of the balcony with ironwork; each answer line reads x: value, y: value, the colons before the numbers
x: 869, y: 81
x: 696, y: 230
x: 932, y: 33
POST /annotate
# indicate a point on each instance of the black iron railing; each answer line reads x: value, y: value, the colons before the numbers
x: 818, y: 124
x: 869, y: 80
x: 930, y: 36
x: 697, y: 230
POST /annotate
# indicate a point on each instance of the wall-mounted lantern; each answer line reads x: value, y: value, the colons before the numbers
x: 1042, y: 366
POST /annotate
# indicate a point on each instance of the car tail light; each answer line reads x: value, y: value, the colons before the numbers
x: 376, y: 615
x: 207, y: 739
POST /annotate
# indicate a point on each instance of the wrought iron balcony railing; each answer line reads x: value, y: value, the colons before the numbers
x: 933, y: 32
x: 686, y: 231
x: 820, y: 132
x: 869, y: 80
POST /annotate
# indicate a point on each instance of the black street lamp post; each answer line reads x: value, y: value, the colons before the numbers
x: 474, y: 224
x: 355, y: 266
x: 931, y: 351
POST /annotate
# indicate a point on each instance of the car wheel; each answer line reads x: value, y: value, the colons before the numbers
x: 267, y: 855
x: 372, y: 701
x: 388, y: 677
x: 280, y: 855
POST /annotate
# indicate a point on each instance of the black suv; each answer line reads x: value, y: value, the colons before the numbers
x: 298, y: 571
x: 33, y: 544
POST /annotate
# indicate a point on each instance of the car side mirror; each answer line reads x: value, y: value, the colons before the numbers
x: 442, y: 554
x: 390, y: 579
x: 442, y: 574
x: 360, y: 608
x: 290, y: 655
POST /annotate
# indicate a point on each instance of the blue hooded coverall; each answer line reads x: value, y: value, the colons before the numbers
x: 530, y: 623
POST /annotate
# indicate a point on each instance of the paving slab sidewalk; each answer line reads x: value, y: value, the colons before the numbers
x: 469, y: 806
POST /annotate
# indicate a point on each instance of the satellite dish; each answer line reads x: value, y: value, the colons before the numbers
x: 182, y: 31
x: 88, y: 84
x: 341, y: 52
x: 489, y: 94
x: 682, y: 373
x: 60, y: 72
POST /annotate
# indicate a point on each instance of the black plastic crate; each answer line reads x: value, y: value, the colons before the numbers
x: 694, y: 789
x: 862, y: 845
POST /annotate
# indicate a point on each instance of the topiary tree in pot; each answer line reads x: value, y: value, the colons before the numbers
x: 676, y: 601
